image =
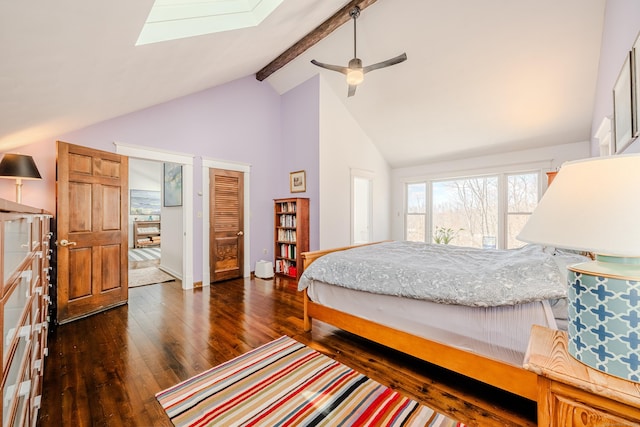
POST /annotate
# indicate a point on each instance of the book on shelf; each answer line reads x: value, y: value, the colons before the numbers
x: 287, y: 250
x: 287, y: 235
x: 287, y: 207
x: 288, y: 221
x: 284, y: 266
x: 148, y: 230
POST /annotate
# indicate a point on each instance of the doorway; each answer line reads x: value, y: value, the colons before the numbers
x: 226, y: 224
x: 146, y: 223
x: 361, y: 206
x: 245, y: 170
x: 176, y: 243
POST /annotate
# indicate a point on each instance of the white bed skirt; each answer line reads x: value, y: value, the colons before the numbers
x: 497, y: 332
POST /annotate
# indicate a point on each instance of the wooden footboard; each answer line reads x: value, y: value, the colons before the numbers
x: 499, y: 374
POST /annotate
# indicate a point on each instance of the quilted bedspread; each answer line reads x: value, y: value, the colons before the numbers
x: 444, y: 273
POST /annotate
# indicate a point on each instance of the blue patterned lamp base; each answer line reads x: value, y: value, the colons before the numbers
x: 604, y: 317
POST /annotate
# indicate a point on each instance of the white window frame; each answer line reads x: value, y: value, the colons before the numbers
x: 502, y: 176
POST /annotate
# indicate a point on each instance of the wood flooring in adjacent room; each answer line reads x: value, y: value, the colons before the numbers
x: 105, y: 370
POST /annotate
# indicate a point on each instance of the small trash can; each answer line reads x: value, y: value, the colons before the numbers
x: 264, y: 269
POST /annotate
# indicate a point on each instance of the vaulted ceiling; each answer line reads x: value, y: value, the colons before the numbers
x: 483, y: 76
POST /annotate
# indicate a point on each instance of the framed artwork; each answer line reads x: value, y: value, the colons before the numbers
x: 144, y: 202
x: 172, y: 184
x: 635, y: 81
x: 623, y: 108
x: 298, y: 182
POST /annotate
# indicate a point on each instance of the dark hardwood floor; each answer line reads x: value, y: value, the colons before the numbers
x: 106, y: 369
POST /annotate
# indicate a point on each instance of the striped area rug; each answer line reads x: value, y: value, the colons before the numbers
x: 144, y: 254
x: 286, y: 383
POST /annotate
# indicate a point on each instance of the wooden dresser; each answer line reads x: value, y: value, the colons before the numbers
x: 573, y: 394
x: 24, y: 309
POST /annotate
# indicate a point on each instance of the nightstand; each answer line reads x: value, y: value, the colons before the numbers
x: 573, y: 394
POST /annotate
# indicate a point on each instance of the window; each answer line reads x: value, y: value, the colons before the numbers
x: 416, y: 218
x: 466, y: 211
x: 522, y: 198
x: 483, y: 211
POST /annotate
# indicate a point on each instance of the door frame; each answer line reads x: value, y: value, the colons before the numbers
x: 150, y: 153
x: 246, y: 173
x: 369, y: 176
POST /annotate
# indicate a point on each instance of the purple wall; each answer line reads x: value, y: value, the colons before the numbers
x: 621, y: 26
x: 301, y: 142
x: 239, y: 121
x: 41, y: 194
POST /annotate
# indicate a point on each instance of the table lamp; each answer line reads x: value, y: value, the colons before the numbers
x: 18, y: 167
x: 593, y: 205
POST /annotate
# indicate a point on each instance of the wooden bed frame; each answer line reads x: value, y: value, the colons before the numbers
x: 499, y: 374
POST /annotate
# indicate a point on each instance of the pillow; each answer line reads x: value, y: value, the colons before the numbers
x: 565, y: 259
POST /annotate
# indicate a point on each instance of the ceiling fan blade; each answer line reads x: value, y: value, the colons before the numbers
x: 352, y: 90
x: 398, y: 59
x: 337, y: 68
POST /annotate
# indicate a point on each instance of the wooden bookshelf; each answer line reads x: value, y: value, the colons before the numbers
x: 291, y: 235
x: 146, y: 234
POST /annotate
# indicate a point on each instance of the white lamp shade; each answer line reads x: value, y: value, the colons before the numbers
x: 593, y: 205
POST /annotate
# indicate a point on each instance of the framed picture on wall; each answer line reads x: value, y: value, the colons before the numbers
x: 144, y: 202
x: 623, y: 108
x: 298, y: 182
x: 172, y: 184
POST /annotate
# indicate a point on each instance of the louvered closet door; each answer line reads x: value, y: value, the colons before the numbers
x: 226, y: 240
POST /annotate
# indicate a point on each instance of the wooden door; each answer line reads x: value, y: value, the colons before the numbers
x: 226, y: 222
x: 92, y: 218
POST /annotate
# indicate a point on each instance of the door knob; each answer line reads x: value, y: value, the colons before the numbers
x: 240, y: 233
x: 65, y: 242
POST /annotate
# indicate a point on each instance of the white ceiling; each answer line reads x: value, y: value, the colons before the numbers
x: 483, y: 76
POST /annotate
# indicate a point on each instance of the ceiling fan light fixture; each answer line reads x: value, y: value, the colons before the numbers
x: 355, y: 76
x: 355, y: 71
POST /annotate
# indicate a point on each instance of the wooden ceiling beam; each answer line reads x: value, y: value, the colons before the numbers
x: 319, y: 33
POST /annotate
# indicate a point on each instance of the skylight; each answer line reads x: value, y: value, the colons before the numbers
x: 176, y: 19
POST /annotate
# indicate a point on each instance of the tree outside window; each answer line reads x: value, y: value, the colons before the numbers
x: 416, y: 218
x: 469, y: 205
x: 522, y: 199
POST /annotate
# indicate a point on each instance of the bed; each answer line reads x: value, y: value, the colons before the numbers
x: 459, y: 326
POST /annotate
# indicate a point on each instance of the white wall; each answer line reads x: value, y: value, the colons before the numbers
x: 545, y: 159
x: 172, y: 240
x: 621, y: 27
x: 345, y: 146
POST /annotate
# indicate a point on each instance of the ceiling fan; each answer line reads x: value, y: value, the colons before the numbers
x: 355, y: 71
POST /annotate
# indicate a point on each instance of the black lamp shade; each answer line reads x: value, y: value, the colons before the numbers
x: 19, y: 166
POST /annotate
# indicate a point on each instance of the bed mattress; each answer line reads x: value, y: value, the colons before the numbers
x: 500, y: 333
